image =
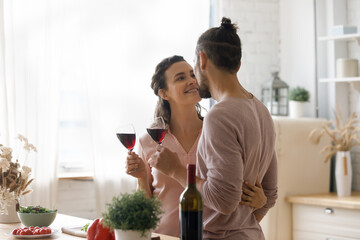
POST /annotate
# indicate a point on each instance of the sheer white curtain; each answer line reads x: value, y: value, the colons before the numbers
x: 29, y: 90
x: 110, y: 47
x: 129, y: 39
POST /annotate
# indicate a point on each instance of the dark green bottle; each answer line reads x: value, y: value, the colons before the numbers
x: 191, y: 209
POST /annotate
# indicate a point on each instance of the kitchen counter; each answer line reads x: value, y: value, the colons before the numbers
x: 61, y: 220
x: 327, y: 200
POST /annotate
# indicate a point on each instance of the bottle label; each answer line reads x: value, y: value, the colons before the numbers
x: 191, y: 225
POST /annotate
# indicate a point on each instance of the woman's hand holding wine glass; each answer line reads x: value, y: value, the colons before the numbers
x: 163, y: 159
x: 135, y: 166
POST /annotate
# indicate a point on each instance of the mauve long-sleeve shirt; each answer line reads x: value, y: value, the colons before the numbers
x: 236, y: 145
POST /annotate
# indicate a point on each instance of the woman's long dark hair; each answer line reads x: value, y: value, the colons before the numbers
x: 158, y: 82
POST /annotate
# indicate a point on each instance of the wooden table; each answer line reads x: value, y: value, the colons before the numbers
x: 61, y: 220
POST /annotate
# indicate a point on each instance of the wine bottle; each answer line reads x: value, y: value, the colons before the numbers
x: 191, y: 209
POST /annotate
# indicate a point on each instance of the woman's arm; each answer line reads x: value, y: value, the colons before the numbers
x: 143, y: 184
x: 136, y: 167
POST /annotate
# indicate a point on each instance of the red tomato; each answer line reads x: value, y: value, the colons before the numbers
x: 37, y: 227
x: 36, y: 231
x: 26, y: 232
x: 15, y: 231
x: 43, y: 231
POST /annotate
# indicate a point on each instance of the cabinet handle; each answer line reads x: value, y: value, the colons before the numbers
x: 329, y: 239
x: 329, y: 211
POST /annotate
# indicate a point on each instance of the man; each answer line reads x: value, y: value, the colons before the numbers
x: 236, y: 144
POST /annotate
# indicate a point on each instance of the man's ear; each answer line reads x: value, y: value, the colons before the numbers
x: 162, y: 94
x: 238, y: 67
x: 203, y: 60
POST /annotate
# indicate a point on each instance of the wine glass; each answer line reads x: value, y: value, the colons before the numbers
x: 126, y: 135
x: 156, y: 129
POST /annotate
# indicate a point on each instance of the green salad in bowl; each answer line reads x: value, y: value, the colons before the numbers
x: 36, y: 216
x: 36, y: 209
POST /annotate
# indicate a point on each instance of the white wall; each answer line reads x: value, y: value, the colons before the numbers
x: 258, y: 22
x: 276, y: 35
x: 297, y: 47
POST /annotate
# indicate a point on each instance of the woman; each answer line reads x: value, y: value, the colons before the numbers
x: 175, y: 84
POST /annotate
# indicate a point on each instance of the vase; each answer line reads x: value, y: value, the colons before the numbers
x: 131, y: 235
x: 343, y: 173
x: 296, y: 109
x: 11, y: 216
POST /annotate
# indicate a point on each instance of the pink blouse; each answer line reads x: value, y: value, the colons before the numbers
x: 166, y: 189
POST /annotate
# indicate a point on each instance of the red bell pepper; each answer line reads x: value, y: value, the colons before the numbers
x: 99, y: 232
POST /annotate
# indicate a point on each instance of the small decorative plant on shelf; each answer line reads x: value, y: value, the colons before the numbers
x: 14, y: 179
x: 133, y: 212
x: 298, y: 97
x: 299, y: 94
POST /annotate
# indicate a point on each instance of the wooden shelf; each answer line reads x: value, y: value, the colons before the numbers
x: 345, y: 37
x: 348, y: 79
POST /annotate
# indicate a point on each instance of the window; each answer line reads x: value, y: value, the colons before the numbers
x: 107, y: 55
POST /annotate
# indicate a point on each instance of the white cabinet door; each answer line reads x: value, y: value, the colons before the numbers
x: 324, y: 221
x: 300, y: 235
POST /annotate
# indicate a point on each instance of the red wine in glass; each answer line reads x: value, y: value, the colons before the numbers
x: 157, y: 134
x: 156, y: 129
x: 127, y: 139
x: 126, y: 135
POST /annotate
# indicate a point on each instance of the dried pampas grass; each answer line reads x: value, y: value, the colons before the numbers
x: 14, y: 180
x: 343, y: 135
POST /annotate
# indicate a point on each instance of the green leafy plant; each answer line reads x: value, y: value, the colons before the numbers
x: 133, y: 211
x: 36, y: 209
x: 85, y: 227
x: 299, y: 94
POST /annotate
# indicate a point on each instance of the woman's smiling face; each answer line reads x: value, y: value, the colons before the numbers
x: 182, y: 87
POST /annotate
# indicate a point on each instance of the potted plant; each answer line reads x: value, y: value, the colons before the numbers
x: 14, y: 179
x: 132, y: 216
x: 344, y: 136
x: 298, y: 96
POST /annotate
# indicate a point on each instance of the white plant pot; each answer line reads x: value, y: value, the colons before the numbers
x: 131, y: 235
x: 296, y: 109
x: 343, y: 173
x: 12, y: 216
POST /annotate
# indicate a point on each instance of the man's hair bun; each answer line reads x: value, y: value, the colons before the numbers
x: 226, y: 24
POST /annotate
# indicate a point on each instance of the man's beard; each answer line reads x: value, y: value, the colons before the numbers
x: 204, y: 91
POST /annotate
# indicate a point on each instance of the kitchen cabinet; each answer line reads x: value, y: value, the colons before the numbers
x: 325, y: 216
